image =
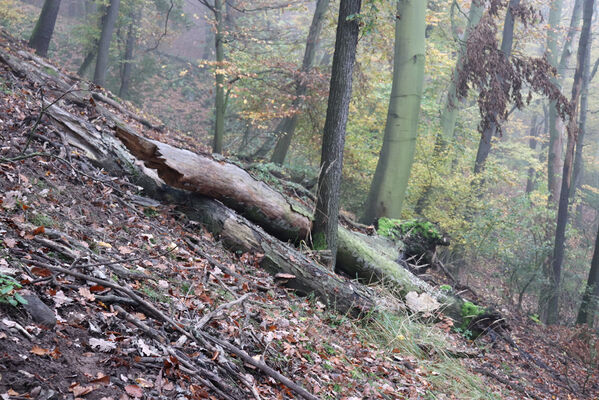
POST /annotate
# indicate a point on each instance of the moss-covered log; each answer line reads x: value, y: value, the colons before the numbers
x: 376, y: 259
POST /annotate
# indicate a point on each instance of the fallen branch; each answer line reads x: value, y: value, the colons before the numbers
x: 201, y: 335
x: 206, y: 318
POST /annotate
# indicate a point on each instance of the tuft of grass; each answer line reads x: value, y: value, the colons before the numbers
x: 404, y: 334
x: 40, y: 219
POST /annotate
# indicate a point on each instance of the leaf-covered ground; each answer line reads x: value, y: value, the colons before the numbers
x: 134, y: 292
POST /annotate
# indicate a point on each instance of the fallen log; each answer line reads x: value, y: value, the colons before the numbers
x: 167, y: 172
x: 237, y: 233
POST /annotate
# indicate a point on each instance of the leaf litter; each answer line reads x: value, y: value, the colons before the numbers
x: 180, y: 341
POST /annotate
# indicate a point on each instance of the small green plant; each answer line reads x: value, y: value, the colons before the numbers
x: 397, y: 229
x: 466, y: 333
x: 535, y: 318
x: 8, y: 291
x: 445, y: 288
x: 41, y: 220
x: 151, y: 212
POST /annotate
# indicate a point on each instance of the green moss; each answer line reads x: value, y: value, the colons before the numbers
x: 319, y: 241
x: 445, y: 288
x: 397, y: 229
x: 470, y: 311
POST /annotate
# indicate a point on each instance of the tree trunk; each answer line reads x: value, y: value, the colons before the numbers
x: 450, y: 110
x: 555, y: 13
x: 562, y: 214
x: 219, y: 109
x: 532, y: 143
x: 104, y: 44
x: 388, y: 187
x: 44, y: 28
x: 588, y: 307
x: 324, y: 228
x: 584, y: 104
x: 87, y: 61
x: 507, y: 41
x: 286, y: 128
x: 555, y: 142
x: 128, y: 59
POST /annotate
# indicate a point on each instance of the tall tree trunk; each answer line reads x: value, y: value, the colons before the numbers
x: 507, y: 40
x: 555, y: 142
x: 588, y: 306
x: 324, y: 228
x: 584, y: 104
x: 104, y: 44
x: 555, y: 13
x: 562, y: 213
x: 532, y: 143
x: 219, y: 109
x: 128, y: 58
x: 286, y: 127
x: 44, y: 28
x: 388, y: 187
x: 450, y: 110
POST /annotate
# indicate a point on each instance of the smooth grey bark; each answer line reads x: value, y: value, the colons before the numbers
x: 588, y: 306
x: 555, y: 142
x: 286, y: 127
x: 128, y: 59
x: 44, y: 28
x: 507, y: 41
x: 324, y: 228
x: 104, y: 43
x: 562, y: 213
x: 392, y: 174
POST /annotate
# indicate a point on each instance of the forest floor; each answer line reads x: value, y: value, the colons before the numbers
x: 88, y: 338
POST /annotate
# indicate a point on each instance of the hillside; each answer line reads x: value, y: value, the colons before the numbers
x: 129, y: 298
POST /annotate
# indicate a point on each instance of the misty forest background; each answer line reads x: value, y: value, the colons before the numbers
x: 501, y: 220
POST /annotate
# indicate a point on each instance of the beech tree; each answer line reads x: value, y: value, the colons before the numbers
x: 562, y: 213
x: 112, y: 12
x: 325, y: 226
x: 388, y: 187
x: 44, y: 28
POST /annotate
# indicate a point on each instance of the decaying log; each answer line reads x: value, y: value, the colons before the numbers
x: 220, y: 180
x: 237, y: 232
x: 240, y: 234
x: 195, y: 180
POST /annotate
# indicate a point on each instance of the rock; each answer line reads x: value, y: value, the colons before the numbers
x: 39, y: 311
x: 424, y: 302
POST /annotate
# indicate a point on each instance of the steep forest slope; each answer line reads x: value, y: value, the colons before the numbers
x: 128, y: 298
